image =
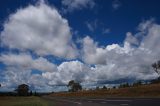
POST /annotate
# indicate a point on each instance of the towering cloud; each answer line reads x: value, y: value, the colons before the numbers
x: 40, y: 29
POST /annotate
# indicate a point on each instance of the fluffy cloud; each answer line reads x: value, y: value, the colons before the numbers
x: 73, y: 70
x: 131, y: 39
x: 40, y: 29
x: 71, y: 5
x: 92, y: 26
x: 116, y: 4
x: 132, y: 60
x: 91, y: 53
x: 106, y: 31
x: 14, y: 77
x: 26, y: 62
x: 19, y: 68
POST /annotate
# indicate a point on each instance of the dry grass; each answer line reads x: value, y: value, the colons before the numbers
x: 152, y: 90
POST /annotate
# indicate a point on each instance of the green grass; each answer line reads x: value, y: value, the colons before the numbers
x: 23, y: 101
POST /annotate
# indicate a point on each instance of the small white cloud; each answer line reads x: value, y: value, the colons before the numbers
x: 106, y: 31
x: 71, y: 5
x: 92, y: 26
x: 116, y: 4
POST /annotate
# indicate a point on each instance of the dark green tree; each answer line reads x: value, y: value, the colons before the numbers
x: 156, y: 67
x: 35, y: 93
x: 138, y: 83
x: 30, y: 93
x: 97, y: 88
x: 23, y: 90
x: 124, y: 85
x: 104, y: 87
x: 114, y: 87
x: 74, y: 86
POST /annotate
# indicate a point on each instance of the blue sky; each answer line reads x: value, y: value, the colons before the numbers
x: 46, y: 43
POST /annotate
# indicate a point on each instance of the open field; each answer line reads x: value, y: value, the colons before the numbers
x: 23, y: 101
x: 151, y: 90
x: 143, y: 95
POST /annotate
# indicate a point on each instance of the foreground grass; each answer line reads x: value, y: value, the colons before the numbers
x: 152, y: 90
x: 23, y: 101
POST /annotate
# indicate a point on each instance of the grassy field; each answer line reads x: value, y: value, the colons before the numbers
x: 23, y: 101
x: 152, y: 90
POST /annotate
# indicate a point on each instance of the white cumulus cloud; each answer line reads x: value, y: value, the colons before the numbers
x: 91, y: 53
x: 41, y: 29
x: 116, y: 4
x: 26, y: 62
x: 132, y: 60
x: 73, y: 70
